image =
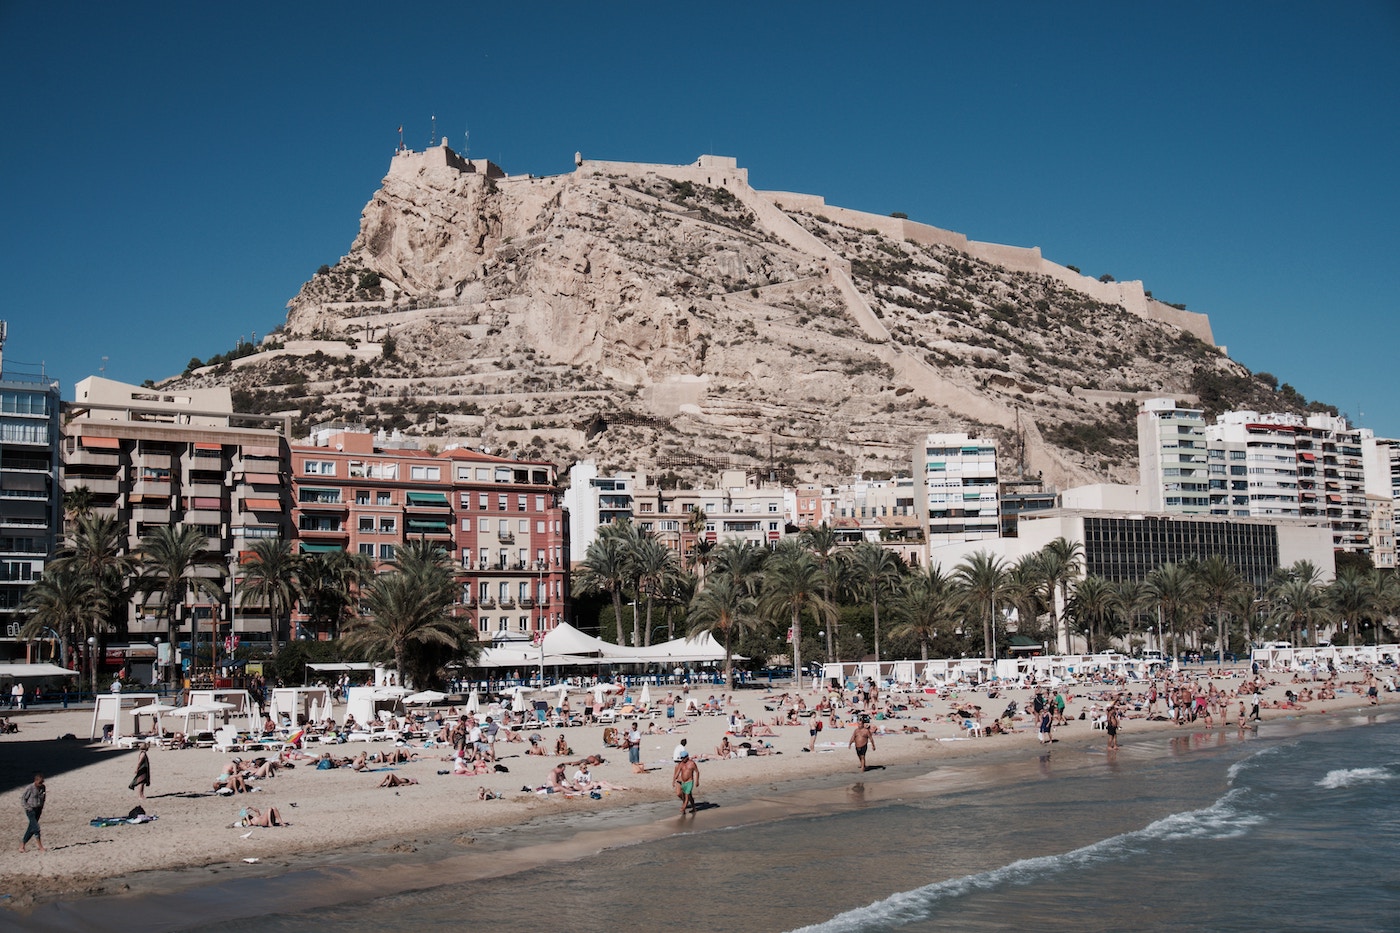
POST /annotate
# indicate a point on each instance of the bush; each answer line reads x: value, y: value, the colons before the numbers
x: 369, y: 280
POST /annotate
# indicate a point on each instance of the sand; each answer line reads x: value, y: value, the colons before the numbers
x: 342, y: 814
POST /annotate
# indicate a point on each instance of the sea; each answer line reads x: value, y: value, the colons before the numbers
x: 1293, y: 826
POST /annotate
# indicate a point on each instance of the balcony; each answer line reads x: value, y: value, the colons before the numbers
x: 527, y: 603
x: 508, y: 603
x: 487, y: 603
x: 506, y: 537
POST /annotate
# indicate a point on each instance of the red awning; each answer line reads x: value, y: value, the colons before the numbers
x: 204, y: 502
x: 208, y: 446
x: 262, y: 505
x: 108, y: 443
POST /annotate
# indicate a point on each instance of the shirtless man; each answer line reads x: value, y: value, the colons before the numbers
x: 686, y: 779
x: 860, y: 738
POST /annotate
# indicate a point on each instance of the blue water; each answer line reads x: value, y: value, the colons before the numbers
x: 1295, y: 828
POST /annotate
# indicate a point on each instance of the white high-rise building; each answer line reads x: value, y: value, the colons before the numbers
x: 958, y: 496
x: 1172, y: 458
x: 1253, y: 464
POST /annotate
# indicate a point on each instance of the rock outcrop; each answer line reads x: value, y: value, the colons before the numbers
x: 672, y: 318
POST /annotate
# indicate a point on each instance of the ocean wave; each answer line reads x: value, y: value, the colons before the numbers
x: 1224, y: 819
x: 1346, y: 777
x: 1239, y: 767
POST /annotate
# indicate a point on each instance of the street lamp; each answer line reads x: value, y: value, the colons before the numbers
x: 92, y: 664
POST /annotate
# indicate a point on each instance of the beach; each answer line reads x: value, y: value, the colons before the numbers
x: 376, y: 842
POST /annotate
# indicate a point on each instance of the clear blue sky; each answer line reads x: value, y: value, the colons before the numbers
x: 175, y: 171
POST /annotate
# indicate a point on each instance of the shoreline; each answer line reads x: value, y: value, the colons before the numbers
x: 363, y: 842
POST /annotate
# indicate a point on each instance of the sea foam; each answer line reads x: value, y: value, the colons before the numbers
x: 1346, y: 777
x: 1223, y: 819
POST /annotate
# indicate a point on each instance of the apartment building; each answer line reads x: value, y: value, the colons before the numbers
x: 501, y: 519
x: 152, y: 458
x: 957, y: 494
x: 1332, y: 479
x: 30, y: 495
x: 1252, y: 464
x: 1172, y: 458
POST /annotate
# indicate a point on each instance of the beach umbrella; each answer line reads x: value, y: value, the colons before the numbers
x: 473, y: 701
x: 426, y: 697
x: 646, y: 695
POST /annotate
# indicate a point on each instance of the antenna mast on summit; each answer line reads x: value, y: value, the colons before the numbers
x: 466, y: 141
x: 432, y: 134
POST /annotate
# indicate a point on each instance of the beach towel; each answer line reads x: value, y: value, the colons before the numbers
x: 120, y: 820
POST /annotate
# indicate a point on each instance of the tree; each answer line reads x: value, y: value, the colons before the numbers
x: 792, y: 586
x: 871, y: 572
x: 1060, y: 562
x: 271, y: 578
x: 1175, y: 590
x: 1218, y: 580
x: 656, y: 570
x: 1093, y: 603
x: 821, y: 541
x: 95, y: 551
x: 170, y: 560
x: 604, y: 570
x: 77, y: 502
x: 723, y: 606
x: 1350, y: 595
x: 1133, y: 597
x: 983, y: 579
x: 66, y: 601
x: 1299, y: 605
x: 328, y: 584
x: 409, y: 613
x: 927, y: 607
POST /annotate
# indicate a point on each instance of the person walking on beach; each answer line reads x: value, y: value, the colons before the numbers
x: 632, y: 741
x: 33, y: 803
x: 686, y: 779
x: 860, y: 739
x: 142, y: 780
x: 1045, y: 726
x: 1111, y: 727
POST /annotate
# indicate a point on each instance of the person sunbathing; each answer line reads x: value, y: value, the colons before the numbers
x: 393, y: 780
x: 561, y: 746
x: 483, y: 794
x: 262, y: 768
x: 724, y: 749
x: 232, y: 778
x: 252, y: 816
x: 360, y: 762
x: 536, y: 746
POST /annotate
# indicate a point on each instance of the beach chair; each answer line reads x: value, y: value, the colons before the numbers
x: 203, y: 740
x: 974, y: 728
x: 227, y: 740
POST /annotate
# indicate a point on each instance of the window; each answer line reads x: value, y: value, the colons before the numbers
x: 320, y: 468
x: 361, y: 497
x: 482, y: 501
x: 484, y: 592
x: 467, y: 559
x: 386, y: 552
x: 524, y: 591
x: 520, y: 503
x: 524, y: 526
x: 539, y: 503
x: 485, y: 624
x: 388, y: 526
x: 484, y: 524
x: 483, y: 474
x: 539, y: 526
x: 367, y: 550
x: 524, y: 623
x: 366, y: 524
x: 383, y: 499
x: 464, y: 473
x: 505, y: 591
x: 424, y: 472
x: 466, y: 524
x: 501, y: 502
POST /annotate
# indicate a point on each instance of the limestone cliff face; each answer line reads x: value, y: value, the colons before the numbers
x: 673, y: 318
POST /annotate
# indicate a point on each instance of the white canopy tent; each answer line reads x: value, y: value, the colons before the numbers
x: 312, y: 703
x: 22, y: 671
x: 566, y: 645
x: 110, y: 706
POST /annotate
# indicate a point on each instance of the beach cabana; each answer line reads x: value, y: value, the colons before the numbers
x: 300, y: 704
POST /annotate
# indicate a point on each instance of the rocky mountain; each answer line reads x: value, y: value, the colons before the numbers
x: 674, y: 319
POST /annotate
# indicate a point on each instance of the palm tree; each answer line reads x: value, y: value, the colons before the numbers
x: 604, y: 570
x: 328, y: 583
x: 1025, y: 592
x: 1299, y: 604
x: 821, y: 541
x: 872, y: 571
x: 409, y: 613
x: 793, y: 585
x: 983, y: 578
x: 1060, y: 562
x: 171, y: 558
x: 656, y: 568
x: 927, y: 606
x: 77, y: 502
x: 1133, y: 597
x: 743, y: 562
x: 1175, y: 590
x: 723, y: 606
x: 96, y: 551
x: 1386, y: 589
x: 1350, y: 595
x: 66, y: 601
x: 271, y: 578
x: 1219, y: 580
x: 1093, y: 603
